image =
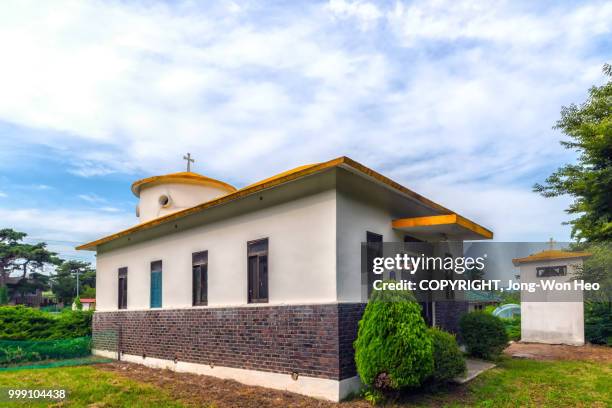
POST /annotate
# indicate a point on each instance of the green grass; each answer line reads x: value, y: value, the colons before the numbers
x: 514, y: 383
x: 524, y: 383
x: 527, y: 383
x: 86, y: 385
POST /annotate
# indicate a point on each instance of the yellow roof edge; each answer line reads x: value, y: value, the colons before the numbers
x: 551, y: 255
x: 274, y: 181
x: 443, y: 219
x: 180, y: 177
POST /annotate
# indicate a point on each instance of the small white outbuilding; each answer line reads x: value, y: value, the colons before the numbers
x: 552, y: 316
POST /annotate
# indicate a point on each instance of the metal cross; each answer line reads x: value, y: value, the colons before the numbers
x: 189, y: 161
x: 551, y: 243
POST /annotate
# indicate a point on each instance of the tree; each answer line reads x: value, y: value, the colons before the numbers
x: 589, y: 181
x: 17, y: 256
x: 393, y: 348
x: 10, y: 247
x: 31, y: 284
x: 65, y: 279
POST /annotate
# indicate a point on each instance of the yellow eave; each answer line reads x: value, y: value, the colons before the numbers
x: 446, y: 220
x: 183, y: 178
x: 550, y: 255
x: 344, y: 162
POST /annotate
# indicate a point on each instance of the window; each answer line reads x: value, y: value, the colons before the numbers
x: 199, y: 262
x: 257, y: 255
x: 156, y: 284
x: 122, y: 297
x: 374, y: 250
x: 545, y: 271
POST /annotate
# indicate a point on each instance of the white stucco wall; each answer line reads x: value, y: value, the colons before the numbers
x: 302, y: 258
x: 557, y: 317
x: 181, y: 196
x: 363, y: 208
x: 357, y: 216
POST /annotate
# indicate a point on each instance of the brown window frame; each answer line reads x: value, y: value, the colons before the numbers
x: 122, y: 287
x: 374, y: 249
x: 257, y: 279
x: 199, y: 270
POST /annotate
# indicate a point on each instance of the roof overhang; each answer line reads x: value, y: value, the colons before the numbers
x: 551, y: 255
x: 452, y: 226
x: 282, y: 178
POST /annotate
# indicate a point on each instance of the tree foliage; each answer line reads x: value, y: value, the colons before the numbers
x: 393, y: 348
x: 589, y: 181
x: 65, y: 280
x: 22, y: 258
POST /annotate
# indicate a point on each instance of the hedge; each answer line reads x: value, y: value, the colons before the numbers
x: 14, y: 352
x: 24, y: 323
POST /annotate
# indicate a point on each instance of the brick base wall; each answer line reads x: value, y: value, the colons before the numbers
x: 313, y: 340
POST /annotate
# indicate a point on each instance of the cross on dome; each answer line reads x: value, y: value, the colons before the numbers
x: 189, y: 161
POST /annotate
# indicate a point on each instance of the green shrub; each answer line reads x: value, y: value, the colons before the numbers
x: 14, y: 352
x: 598, y: 322
x: 393, y: 349
x: 448, y: 359
x: 4, y: 298
x: 24, y: 323
x: 484, y: 335
x: 513, y: 327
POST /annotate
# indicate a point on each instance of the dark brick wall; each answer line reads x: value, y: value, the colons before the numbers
x: 448, y: 314
x: 313, y: 340
x: 348, y: 320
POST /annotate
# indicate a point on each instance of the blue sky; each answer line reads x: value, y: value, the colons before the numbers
x: 454, y: 99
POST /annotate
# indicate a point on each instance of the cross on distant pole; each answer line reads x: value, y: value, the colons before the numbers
x: 551, y: 243
x: 189, y: 161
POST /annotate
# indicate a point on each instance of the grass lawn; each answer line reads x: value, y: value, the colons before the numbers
x: 86, y: 385
x: 529, y: 383
x: 514, y: 383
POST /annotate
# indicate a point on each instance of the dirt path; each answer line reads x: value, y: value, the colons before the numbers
x: 535, y: 351
x: 204, y: 391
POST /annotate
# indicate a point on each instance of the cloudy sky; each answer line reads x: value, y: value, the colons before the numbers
x: 454, y: 99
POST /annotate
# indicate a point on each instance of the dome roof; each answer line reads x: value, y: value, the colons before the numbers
x: 184, y: 177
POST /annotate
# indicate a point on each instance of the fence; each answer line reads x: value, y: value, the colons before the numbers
x: 22, y: 354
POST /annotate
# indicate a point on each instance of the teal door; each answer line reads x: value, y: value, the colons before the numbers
x: 156, y: 284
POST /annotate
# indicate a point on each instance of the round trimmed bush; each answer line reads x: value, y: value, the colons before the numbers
x: 393, y: 348
x: 484, y: 335
x: 448, y: 359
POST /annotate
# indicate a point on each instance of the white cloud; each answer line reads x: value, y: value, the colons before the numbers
x: 72, y: 226
x: 430, y: 92
x: 110, y: 209
x: 92, y: 198
x: 366, y: 13
x: 3, y: 194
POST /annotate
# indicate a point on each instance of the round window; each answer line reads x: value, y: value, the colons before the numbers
x: 164, y: 200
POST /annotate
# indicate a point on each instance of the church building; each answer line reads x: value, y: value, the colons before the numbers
x: 260, y: 284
